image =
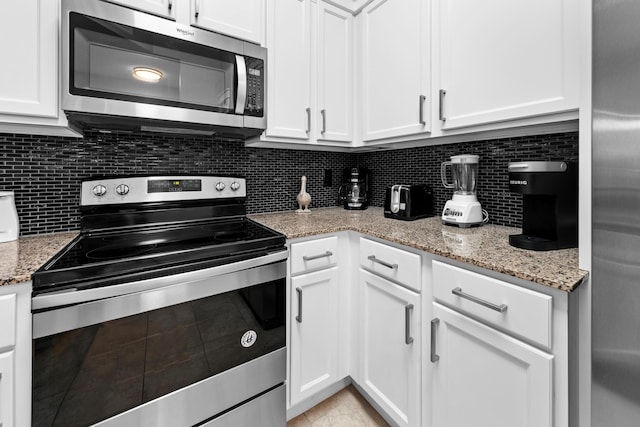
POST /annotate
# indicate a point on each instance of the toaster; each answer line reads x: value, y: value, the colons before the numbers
x: 408, y: 202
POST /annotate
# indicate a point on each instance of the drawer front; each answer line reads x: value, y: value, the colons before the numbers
x: 314, y: 254
x: 521, y: 311
x: 396, y: 264
x: 7, y: 320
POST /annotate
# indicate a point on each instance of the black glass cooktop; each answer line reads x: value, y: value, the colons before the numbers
x: 103, y: 258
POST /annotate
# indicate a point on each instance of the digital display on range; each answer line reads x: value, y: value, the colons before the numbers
x: 174, y: 185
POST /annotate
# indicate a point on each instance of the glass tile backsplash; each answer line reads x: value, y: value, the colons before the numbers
x: 45, y: 172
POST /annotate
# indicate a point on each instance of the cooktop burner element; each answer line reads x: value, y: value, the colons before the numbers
x: 139, y: 234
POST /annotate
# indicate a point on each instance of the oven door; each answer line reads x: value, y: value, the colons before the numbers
x: 192, y: 349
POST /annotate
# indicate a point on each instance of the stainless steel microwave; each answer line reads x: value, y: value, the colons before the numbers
x: 125, y: 69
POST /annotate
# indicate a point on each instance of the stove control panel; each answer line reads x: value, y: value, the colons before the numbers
x: 142, y: 189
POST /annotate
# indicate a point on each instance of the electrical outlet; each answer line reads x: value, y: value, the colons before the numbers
x: 327, y: 181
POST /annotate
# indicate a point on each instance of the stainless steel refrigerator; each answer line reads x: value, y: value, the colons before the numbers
x: 616, y: 214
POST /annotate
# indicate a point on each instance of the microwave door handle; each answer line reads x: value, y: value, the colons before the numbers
x: 241, y: 97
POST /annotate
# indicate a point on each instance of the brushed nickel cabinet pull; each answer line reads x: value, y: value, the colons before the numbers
x: 408, y: 339
x: 386, y: 264
x: 170, y: 5
x: 197, y: 8
x: 308, y: 110
x: 324, y: 121
x: 434, y: 325
x: 442, y: 94
x: 312, y: 257
x: 299, y: 316
x: 499, y: 308
x: 422, y: 100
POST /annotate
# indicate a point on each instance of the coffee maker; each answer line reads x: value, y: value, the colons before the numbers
x: 354, y: 192
x: 549, y: 204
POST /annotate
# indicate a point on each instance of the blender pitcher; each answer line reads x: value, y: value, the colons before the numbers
x: 464, y: 171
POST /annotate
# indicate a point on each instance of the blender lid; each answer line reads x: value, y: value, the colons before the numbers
x: 465, y: 158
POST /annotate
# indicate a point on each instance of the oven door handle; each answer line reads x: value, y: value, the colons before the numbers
x: 78, y: 295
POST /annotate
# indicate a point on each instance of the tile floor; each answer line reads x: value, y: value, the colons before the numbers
x: 347, y: 408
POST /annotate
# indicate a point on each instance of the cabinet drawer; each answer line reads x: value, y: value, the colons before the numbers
x: 525, y: 313
x: 314, y: 254
x: 7, y: 320
x: 393, y: 263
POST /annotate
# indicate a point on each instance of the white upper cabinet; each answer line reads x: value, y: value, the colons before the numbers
x: 310, y: 73
x: 289, y: 69
x: 166, y: 8
x: 335, y: 74
x: 243, y: 19
x: 507, y: 59
x: 352, y: 6
x: 29, y: 76
x: 395, y: 69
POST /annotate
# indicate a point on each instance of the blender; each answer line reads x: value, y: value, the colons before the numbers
x: 463, y: 209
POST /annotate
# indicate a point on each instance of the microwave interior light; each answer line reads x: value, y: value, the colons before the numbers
x: 147, y: 74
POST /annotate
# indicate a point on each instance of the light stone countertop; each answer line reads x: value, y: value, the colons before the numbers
x: 20, y: 258
x: 486, y: 247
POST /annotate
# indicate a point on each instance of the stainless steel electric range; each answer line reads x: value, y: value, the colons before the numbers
x: 167, y: 310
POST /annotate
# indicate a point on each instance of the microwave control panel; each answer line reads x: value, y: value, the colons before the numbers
x: 255, y: 87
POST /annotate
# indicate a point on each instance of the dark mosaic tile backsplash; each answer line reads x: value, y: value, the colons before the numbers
x: 45, y: 172
x: 422, y: 166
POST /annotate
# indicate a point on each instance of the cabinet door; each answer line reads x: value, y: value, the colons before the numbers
x: 289, y: 111
x: 390, y: 347
x: 166, y: 8
x: 506, y: 59
x: 486, y: 378
x: 314, y: 333
x: 7, y: 393
x: 243, y: 19
x: 29, y: 75
x: 395, y: 68
x: 335, y: 74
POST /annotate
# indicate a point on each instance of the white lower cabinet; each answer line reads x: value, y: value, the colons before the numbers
x: 15, y: 355
x: 7, y: 385
x: 314, y: 332
x: 484, y: 378
x: 389, y: 345
x: 429, y: 343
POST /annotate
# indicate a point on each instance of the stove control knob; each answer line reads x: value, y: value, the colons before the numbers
x: 235, y: 186
x: 122, y: 189
x: 99, y: 190
x: 220, y: 186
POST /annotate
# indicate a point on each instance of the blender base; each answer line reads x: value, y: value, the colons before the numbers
x: 463, y: 214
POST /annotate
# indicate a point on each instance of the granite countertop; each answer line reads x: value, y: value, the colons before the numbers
x: 486, y: 247
x: 20, y: 258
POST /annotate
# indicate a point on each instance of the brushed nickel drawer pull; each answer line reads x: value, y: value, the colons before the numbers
x: 327, y: 254
x: 386, y: 264
x: 408, y: 339
x: 499, y: 308
x: 434, y: 325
